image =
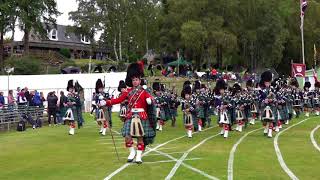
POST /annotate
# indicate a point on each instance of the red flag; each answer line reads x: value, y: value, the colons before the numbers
x: 298, y: 70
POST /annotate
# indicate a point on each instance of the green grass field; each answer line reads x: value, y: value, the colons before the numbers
x: 49, y: 153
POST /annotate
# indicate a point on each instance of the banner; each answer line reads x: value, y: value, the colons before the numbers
x: 298, y: 70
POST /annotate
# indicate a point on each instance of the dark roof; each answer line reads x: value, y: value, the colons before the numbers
x: 66, y: 39
x: 57, y: 45
x: 63, y: 35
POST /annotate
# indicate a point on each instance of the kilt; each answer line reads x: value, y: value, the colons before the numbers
x: 282, y: 113
x: 315, y: 103
x: 194, y: 120
x: 200, y: 112
x: 211, y: 111
x: 224, y: 121
x: 274, y: 114
x: 148, y: 130
x: 167, y: 114
x: 74, y: 113
x: 173, y: 112
x: 307, y: 103
x: 247, y: 113
x: 289, y: 108
x: 162, y: 114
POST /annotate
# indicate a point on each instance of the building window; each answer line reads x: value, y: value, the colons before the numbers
x: 85, y: 40
x: 53, y: 35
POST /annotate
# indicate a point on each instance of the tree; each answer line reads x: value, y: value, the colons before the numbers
x: 87, y: 20
x: 34, y: 15
x: 125, y: 25
x: 194, y: 37
x: 7, y: 8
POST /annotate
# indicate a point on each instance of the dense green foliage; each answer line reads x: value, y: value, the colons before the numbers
x: 65, y: 52
x: 25, y: 65
x: 250, y: 33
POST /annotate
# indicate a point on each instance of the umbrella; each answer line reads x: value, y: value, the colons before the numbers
x: 71, y: 70
x: 179, y: 62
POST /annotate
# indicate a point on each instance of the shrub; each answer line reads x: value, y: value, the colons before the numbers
x: 65, y: 52
x: 25, y: 65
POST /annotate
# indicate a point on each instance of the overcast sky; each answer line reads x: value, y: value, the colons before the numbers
x: 66, y: 6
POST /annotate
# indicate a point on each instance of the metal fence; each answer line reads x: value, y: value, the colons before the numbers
x: 11, y: 115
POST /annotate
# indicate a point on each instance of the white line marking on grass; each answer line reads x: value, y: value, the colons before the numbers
x: 314, y: 142
x: 179, y: 162
x: 232, y: 152
x: 168, y: 161
x: 166, y: 153
x: 188, y: 166
x: 168, y: 148
x: 278, y: 152
x: 151, y: 149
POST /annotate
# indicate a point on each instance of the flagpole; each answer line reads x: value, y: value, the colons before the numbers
x: 315, y: 55
x: 302, y: 40
x: 303, y: 6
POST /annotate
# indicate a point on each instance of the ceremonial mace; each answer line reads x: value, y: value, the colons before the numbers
x: 114, y: 143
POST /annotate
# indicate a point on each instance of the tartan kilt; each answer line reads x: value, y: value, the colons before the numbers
x: 173, y: 112
x: 200, y: 113
x: 167, y: 114
x: 307, y: 104
x: 211, y: 111
x: 247, y: 113
x: 162, y: 114
x: 283, y: 114
x: 148, y: 130
x: 315, y: 103
x: 290, y: 108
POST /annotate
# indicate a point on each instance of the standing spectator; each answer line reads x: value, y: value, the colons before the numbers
x: 52, y: 107
x: 36, y: 99
x: 27, y: 95
x: 62, y: 109
x: 11, y: 100
x: 2, y: 102
x: 22, y: 101
x: 42, y: 99
x: 16, y: 93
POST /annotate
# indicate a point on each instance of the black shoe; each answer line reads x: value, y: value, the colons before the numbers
x: 130, y: 160
x: 139, y: 162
